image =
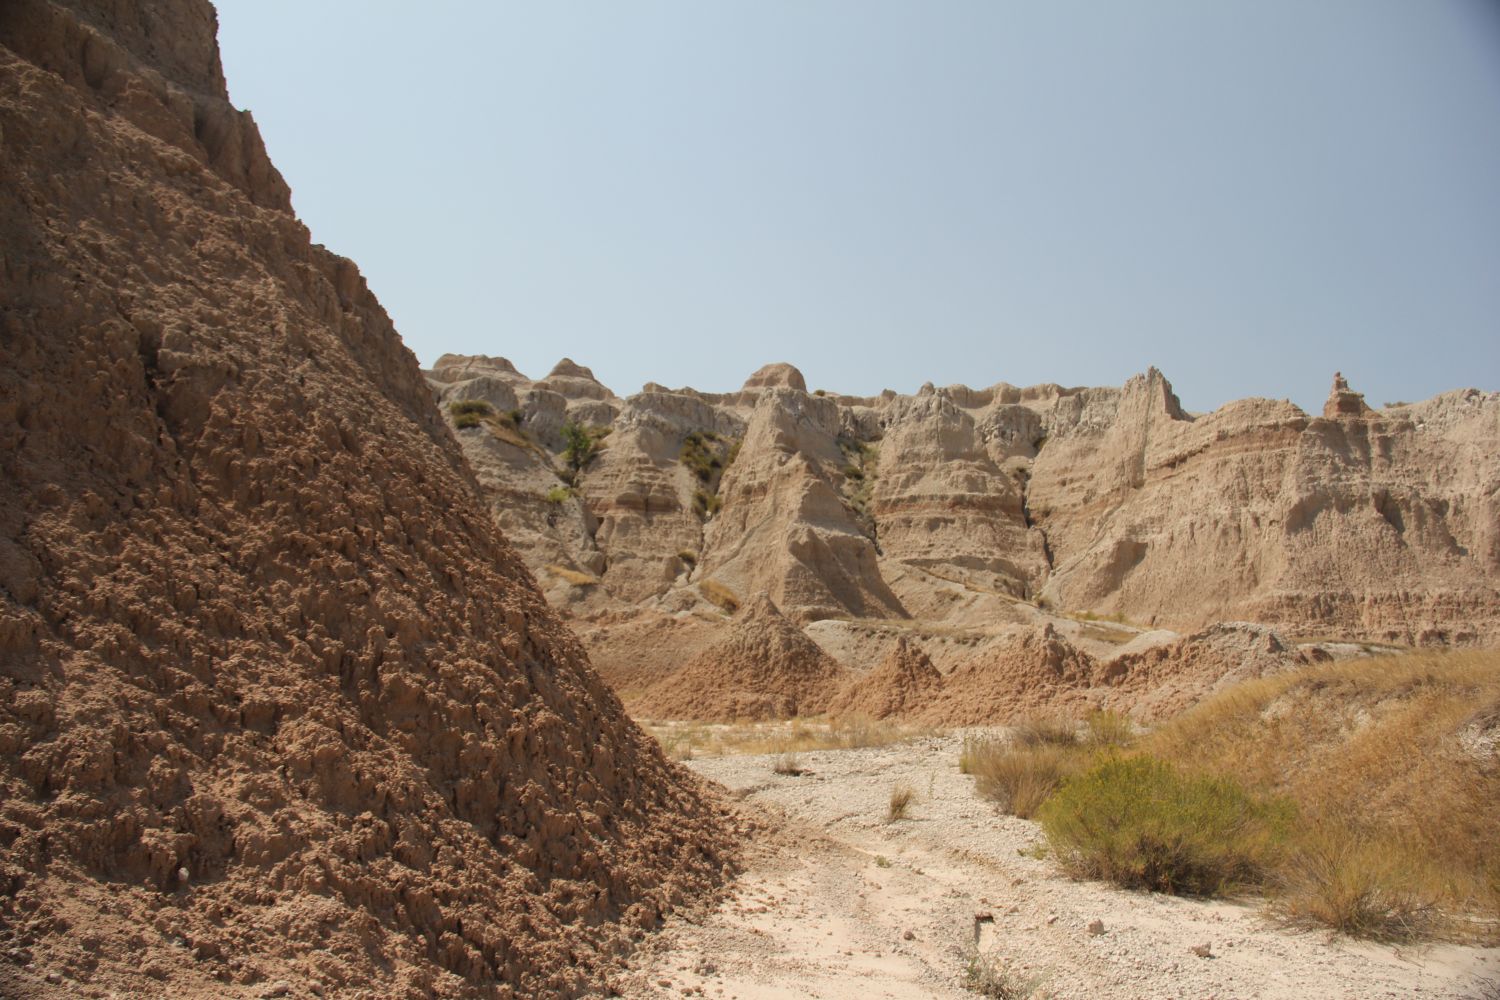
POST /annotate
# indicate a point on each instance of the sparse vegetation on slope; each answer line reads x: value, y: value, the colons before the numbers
x: 1142, y: 823
x: 1393, y: 764
x: 469, y: 413
x: 1360, y: 795
x: 580, y: 445
x: 1022, y: 771
x: 706, y: 455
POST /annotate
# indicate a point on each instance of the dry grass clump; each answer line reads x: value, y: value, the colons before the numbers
x: 1021, y: 772
x: 1044, y: 730
x: 1356, y: 885
x: 685, y: 740
x: 572, y: 576
x: 1392, y: 762
x: 1021, y: 780
x: 902, y: 797
x: 718, y: 594
x: 789, y: 764
x: 988, y: 975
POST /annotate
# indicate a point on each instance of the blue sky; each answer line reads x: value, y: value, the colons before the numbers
x: 1248, y: 195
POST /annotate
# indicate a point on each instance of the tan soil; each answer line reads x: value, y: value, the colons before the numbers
x: 842, y: 905
x: 277, y: 701
x: 905, y: 681
x: 764, y: 668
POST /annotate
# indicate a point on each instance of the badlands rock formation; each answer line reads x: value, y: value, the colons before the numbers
x: 904, y: 683
x: 764, y: 667
x: 277, y: 701
x: 969, y: 507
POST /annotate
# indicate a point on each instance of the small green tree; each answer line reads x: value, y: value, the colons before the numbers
x: 578, y: 446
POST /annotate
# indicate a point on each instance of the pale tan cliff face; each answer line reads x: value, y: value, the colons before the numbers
x: 964, y: 505
x: 277, y: 700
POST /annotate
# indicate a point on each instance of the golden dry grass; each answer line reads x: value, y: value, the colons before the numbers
x: 573, y: 576
x: 686, y: 740
x: 1392, y: 763
x: 720, y: 595
x: 1022, y: 769
x: 902, y: 797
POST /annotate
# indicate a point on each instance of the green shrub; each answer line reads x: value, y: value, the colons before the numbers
x: 706, y: 504
x: 578, y: 446
x: 1140, y: 823
x: 559, y: 494
x: 701, y: 456
x: 468, y: 413
x: 478, y: 407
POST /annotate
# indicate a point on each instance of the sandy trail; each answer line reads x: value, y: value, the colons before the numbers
x: 841, y: 904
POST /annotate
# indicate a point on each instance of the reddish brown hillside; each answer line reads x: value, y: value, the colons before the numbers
x: 765, y: 667
x: 277, y: 702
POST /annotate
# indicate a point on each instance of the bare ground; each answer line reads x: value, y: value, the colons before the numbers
x: 842, y: 904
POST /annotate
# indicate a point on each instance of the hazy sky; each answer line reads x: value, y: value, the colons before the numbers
x: 1248, y: 195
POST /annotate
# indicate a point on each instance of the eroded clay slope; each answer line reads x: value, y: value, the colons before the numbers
x: 970, y: 507
x: 277, y: 701
x: 1377, y: 524
x: 762, y: 667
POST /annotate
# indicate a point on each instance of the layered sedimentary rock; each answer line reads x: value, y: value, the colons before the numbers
x: 277, y: 700
x: 1039, y: 671
x: 1382, y: 525
x: 762, y: 667
x: 969, y: 507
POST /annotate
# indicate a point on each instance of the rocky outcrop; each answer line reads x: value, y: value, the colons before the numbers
x: 903, y: 683
x: 277, y: 700
x: 1157, y: 683
x: 1038, y: 670
x: 969, y: 507
x: 786, y: 526
x: 1343, y: 401
x: 1381, y: 526
x: 764, y: 667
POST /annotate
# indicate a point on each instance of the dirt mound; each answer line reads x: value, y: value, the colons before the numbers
x: 905, y: 681
x: 764, y: 668
x: 1160, y: 682
x: 277, y: 701
x: 1040, y: 670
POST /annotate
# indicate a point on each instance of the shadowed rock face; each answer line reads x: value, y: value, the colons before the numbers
x: 954, y: 504
x: 277, y: 700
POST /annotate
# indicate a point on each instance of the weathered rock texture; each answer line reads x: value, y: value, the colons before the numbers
x: 764, y: 667
x: 1039, y: 671
x: 968, y: 507
x: 277, y: 701
x: 904, y: 683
